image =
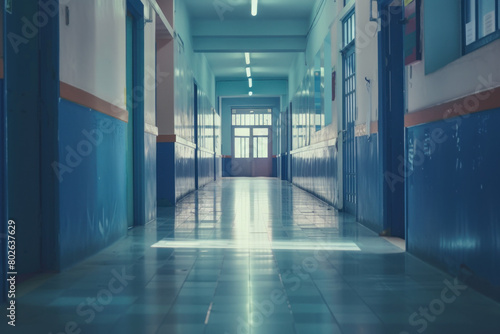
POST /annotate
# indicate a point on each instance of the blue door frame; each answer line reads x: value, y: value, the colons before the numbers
x: 136, y: 8
x: 349, y: 119
x: 391, y: 119
x: 289, y: 143
x: 196, y: 151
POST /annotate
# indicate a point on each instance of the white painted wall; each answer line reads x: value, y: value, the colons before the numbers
x: 366, y: 62
x: 188, y: 67
x: 93, y: 51
x: 93, y: 48
x: 151, y: 79
x: 474, y: 72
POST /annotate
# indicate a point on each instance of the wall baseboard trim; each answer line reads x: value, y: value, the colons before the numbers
x: 477, y: 102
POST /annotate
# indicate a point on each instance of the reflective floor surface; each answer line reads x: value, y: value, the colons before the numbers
x: 252, y: 256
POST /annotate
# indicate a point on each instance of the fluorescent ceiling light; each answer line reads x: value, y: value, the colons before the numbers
x: 249, y: 72
x: 254, y: 7
x: 247, y: 58
x: 250, y: 93
x: 250, y: 82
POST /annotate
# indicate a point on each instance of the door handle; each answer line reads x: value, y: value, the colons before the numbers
x: 343, y: 132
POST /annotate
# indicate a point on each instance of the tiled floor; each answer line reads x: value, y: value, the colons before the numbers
x: 252, y: 256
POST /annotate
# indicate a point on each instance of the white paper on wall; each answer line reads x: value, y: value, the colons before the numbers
x: 470, y: 33
x: 489, y: 23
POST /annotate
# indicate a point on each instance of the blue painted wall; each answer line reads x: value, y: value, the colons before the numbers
x: 175, y: 172
x: 150, y: 176
x: 453, y: 216
x: 165, y: 178
x: 315, y: 170
x: 184, y: 170
x: 92, y: 176
x: 206, y: 167
x: 369, y: 182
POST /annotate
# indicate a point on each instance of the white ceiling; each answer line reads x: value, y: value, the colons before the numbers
x: 240, y: 9
x: 264, y: 65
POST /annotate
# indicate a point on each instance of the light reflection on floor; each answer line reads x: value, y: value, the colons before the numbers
x: 249, y: 256
x: 256, y: 245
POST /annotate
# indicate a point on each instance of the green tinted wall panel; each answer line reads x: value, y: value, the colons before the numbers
x: 442, y: 33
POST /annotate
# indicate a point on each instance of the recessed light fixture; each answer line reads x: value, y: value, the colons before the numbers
x: 249, y: 72
x: 251, y: 111
x: 250, y: 83
x: 247, y: 58
x: 250, y: 93
x: 254, y: 7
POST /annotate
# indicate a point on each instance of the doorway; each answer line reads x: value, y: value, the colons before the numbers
x: 130, y: 127
x: 135, y: 106
x: 391, y: 120
x: 252, y: 142
x: 196, y: 141
x: 349, y: 115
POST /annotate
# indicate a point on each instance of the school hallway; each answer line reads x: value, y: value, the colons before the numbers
x: 249, y: 166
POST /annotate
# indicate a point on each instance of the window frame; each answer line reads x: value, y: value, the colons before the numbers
x: 479, y: 42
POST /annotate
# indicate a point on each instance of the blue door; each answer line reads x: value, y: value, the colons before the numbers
x: 130, y: 127
x: 349, y: 115
x: 391, y: 120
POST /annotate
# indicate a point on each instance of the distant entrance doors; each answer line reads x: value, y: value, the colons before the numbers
x: 349, y: 114
x: 252, y: 142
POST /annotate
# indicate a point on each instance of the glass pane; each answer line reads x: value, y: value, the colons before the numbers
x: 234, y: 119
x: 260, y: 131
x: 255, y: 147
x: 241, y: 147
x: 353, y: 23
x: 487, y: 17
x: 238, y: 120
x: 263, y: 147
x: 242, y: 132
x: 237, y: 147
x: 247, y: 147
x: 252, y: 119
